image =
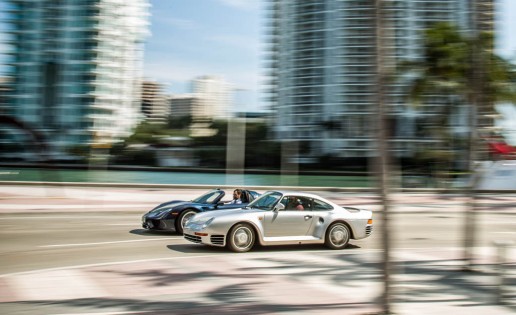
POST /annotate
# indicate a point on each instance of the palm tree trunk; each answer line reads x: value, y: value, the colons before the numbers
x: 383, y: 158
x: 477, y: 83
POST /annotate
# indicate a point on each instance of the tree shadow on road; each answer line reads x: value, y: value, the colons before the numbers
x: 151, y: 306
x: 199, y: 248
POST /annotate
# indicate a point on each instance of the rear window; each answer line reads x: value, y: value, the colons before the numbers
x: 321, y: 205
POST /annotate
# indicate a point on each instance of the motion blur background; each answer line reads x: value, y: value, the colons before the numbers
x: 289, y: 87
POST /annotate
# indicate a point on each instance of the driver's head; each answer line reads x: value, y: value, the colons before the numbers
x: 237, y: 193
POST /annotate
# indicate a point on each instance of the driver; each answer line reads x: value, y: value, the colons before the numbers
x: 295, y: 204
x: 237, y: 195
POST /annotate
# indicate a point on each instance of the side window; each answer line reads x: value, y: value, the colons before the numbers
x: 284, y: 201
x: 321, y: 205
x: 296, y: 203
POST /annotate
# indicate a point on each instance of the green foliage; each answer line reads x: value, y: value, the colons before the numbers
x: 179, y: 122
x: 142, y: 157
x: 218, y: 139
x: 210, y: 150
x: 260, y: 152
x: 82, y: 151
x: 466, y: 70
x: 449, y: 67
x: 147, y: 133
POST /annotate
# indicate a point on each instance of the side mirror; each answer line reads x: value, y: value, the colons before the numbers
x: 279, y: 207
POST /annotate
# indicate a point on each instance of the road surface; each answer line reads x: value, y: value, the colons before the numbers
x: 83, y: 251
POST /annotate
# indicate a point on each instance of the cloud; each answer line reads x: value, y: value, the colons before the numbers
x: 183, y: 24
x: 247, y: 5
x: 238, y: 41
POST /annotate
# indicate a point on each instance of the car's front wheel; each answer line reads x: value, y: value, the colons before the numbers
x: 337, y: 236
x: 241, y: 238
x: 183, y: 217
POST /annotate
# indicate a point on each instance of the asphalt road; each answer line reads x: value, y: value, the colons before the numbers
x: 49, y: 240
x: 83, y: 251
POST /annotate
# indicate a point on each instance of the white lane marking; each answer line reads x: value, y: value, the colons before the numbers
x: 121, y: 224
x: 14, y: 217
x: 113, y: 242
x: 127, y: 262
x: 7, y: 206
x: 244, y: 255
x: 108, y: 313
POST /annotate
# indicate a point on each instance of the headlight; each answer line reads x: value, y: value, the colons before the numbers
x: 205, y: 224
x: 159, y: 213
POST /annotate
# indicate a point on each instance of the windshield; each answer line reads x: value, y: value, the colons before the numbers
x: 210, y: 197
x: 267, y: 201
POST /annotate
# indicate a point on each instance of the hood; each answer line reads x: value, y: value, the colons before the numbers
x: 165, y: 207
x: 223, y: 213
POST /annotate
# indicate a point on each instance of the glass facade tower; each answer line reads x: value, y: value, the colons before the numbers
x: 322, y: 73
x: 75, y: 67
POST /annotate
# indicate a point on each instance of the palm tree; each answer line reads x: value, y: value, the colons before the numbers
x: 466, y: 68
x: 383, y: 154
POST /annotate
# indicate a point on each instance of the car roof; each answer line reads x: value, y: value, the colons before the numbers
x: 297, y: 193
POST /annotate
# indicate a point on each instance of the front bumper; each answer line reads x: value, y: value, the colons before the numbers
x: 158, y: 224
x: 204, y: 236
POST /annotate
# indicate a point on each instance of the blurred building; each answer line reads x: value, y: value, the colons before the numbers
x: 213, y: 102
x: 214, y: 97
x: 4, y: 91
x: 322, y: 86
x: 182, y: 105
x: 154, y: 102
x: 76, y: 67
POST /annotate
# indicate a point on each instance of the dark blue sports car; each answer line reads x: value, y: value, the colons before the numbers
x: 172, y: 215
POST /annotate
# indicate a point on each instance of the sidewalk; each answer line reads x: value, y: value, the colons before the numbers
x: 52, y: 198
x: 263, y: 282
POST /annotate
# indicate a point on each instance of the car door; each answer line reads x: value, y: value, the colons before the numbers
x: 287, y: 223
x: 321, y: 212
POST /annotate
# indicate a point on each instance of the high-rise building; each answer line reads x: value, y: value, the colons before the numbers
x: 154, y: 102
x: 182, y: 105
x: 322, y: 56
x: 214, y: 98
x: 76, y: 67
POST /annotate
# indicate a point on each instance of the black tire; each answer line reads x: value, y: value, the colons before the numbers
x: 337, y: 236
x: 183, y: 217
x: 241, y: 238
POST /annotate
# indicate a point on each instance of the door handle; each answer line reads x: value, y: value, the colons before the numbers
x: 308, y: 217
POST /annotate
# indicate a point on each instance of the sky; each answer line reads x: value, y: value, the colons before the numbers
x: 190, y: 38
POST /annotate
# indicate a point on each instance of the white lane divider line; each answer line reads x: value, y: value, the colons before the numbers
x: 113, y: 242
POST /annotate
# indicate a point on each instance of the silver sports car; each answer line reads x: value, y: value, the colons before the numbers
x: 280, y: 218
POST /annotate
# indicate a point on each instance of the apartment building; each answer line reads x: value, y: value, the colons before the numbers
x: 322, y: 72
x: 154, y: 102
x: 76, y: 67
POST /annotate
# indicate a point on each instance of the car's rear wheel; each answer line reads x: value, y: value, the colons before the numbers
x: 241, y: 238
x: 337, y: 236
x: 183, y: 217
